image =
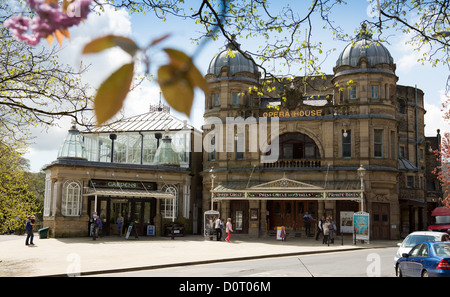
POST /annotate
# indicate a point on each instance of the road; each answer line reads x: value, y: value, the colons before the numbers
x: 360, y: 263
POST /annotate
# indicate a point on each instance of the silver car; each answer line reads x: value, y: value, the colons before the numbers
x: 417, y: 237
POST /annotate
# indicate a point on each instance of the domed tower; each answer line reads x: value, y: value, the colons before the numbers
x: 230, y: 76
x: 233, y: 80
x: 365, y: 72
x: 365, y: 102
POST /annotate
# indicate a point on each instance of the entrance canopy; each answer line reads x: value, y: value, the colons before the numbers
x: 129, y: 193
x: 288, y: 189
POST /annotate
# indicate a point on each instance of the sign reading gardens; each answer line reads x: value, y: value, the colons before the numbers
x: 293, y: 114
x: 129, y: 185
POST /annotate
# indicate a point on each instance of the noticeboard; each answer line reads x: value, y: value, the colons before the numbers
x: 346, y: 221
x: 131, y: 227
x: 361, y: 225
x: 151, y: 230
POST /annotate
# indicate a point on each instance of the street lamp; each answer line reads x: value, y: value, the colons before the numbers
x: 211, y: 174
x: 361, y: 172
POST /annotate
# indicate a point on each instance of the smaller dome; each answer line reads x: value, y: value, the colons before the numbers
x: 233, y: 59
x: 73, y: 145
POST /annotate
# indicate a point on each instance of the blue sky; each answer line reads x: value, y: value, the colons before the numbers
x: 144, y: 29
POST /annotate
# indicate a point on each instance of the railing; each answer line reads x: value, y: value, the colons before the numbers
x: 294, y: 163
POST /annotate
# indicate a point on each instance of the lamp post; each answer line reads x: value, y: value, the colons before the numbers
x: 361, y: 172
x: 211, y: 174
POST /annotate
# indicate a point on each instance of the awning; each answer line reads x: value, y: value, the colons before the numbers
x: 129, y: 193
x: 287, y: 189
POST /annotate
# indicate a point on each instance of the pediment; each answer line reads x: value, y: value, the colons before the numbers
x: 285, y: 183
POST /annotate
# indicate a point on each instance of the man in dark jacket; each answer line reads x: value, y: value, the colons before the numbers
x: 29, y: 228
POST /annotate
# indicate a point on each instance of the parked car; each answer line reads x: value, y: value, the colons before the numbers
x: 441, y: 220
x: 425, y: 259
x: 418, y: 237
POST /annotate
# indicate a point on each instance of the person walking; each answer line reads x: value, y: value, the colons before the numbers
x: 120, y: 224
x: 319, y: 225
x: 217, y: 226
x: 333, y: 229
x: 307, y: 219
x: 29, y: 228
x: 326, y: 231
x: 228, y: 229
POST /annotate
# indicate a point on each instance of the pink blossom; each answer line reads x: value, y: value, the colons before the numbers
x: 49, y: 18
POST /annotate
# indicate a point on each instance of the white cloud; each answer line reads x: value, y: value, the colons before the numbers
x: 434, y: 118
x: 47, y: 142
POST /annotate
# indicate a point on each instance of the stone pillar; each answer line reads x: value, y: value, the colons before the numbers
x: 253, y: 226
x: 263, y: 217
x: 158, y: 220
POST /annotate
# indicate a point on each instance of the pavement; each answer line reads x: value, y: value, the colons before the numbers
x: 82, y: 256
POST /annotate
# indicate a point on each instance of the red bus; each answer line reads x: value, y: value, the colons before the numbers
x: 441, y: 219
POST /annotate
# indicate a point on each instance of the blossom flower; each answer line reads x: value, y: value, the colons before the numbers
x: 49, y: 18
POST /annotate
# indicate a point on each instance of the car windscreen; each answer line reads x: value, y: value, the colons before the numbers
x: 442, y: 249
x: 413, y: 240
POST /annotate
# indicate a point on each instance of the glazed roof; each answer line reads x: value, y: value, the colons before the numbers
x: 151, y: 121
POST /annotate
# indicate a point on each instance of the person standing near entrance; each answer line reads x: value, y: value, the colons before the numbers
x: 29, y: 227
x: 319, y: 225
x: 99, y: 226
x: 307, y: 219
x: 326, y: 231
x: 120, y: 224
x: 218, y: 228
x: 228, y: 229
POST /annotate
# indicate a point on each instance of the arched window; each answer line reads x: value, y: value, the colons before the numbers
x: 169, y: 207
x: 298, y: 146
x: 71, y: 198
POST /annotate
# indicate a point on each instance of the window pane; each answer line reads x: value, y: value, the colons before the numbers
x: 374, y: 92
x: 235, y: 98
x: 352, y: 93
x: 346, y: 143
x: 378, y: 143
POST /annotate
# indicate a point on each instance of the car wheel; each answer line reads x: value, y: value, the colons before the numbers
x: 424, y: 273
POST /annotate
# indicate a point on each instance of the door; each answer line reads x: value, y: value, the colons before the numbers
x: 301, y: 207
x: 284, y: 213
x: 239, y: 216
x: 413, y: 266
x: 380, y: 221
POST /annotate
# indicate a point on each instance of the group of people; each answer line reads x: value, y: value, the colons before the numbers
x: 218, y: 227
x: 325, y: 226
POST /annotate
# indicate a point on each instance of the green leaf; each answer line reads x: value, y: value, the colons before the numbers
x: 176, y: 88
x: 112, y: 93
x: 109, y: 41
x: 178, y: 80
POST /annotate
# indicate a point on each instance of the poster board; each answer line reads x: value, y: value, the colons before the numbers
x: 208, y: 223
x: 151, y: 230
x: 346, y: 221
x: 361, y: 225
x: 130, y: 229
